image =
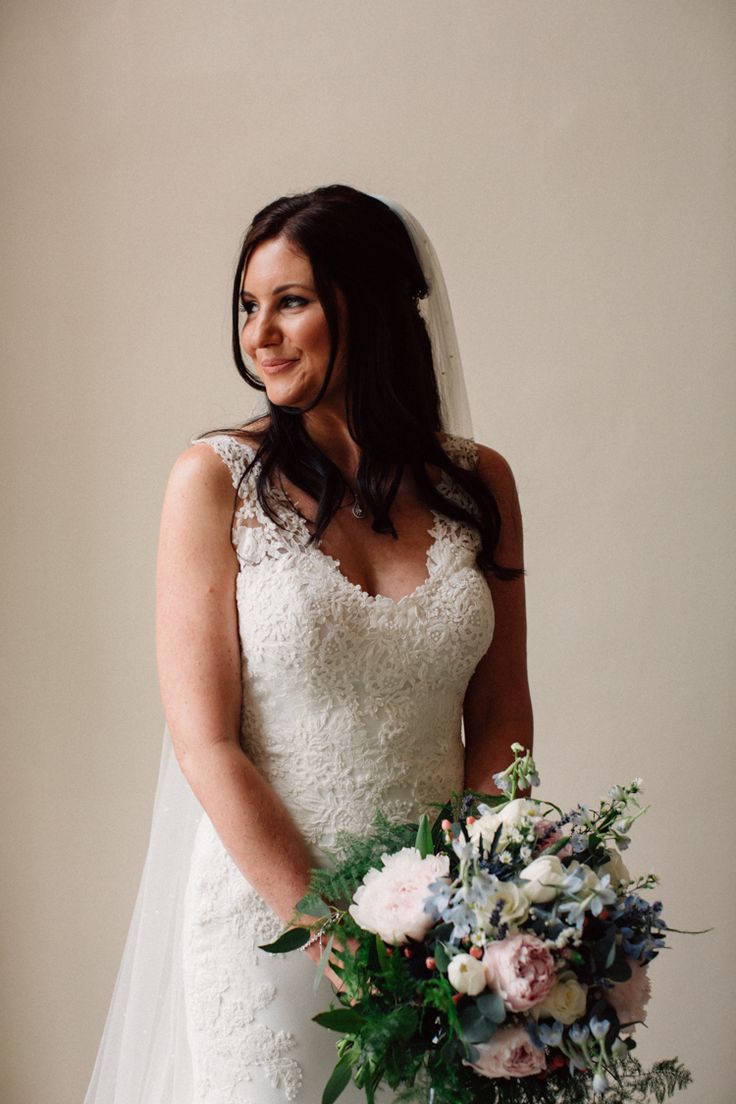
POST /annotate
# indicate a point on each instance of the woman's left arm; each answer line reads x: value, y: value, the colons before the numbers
x: 497, y: 709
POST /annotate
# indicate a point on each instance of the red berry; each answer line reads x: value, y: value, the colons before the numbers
x: 476, y: 952
x: 430, y: 963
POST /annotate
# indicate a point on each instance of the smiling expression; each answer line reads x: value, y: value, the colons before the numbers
x: 284, y: 329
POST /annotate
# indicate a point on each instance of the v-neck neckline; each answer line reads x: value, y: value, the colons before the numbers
x: 334, y: 564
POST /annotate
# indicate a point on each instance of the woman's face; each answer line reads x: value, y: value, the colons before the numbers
x: 284, y: 329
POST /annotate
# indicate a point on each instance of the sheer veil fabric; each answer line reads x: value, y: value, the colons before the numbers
x: 144, y: 1054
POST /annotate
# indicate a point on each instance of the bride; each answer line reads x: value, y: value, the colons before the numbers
x: 340, y: 587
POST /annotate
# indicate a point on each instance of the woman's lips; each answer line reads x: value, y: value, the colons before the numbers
x: 271, y: 367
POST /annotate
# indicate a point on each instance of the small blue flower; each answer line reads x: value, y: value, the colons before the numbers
x: 599, y: 1028
x: 535, y: 1034
x: 579, y: 1033
x: 550, y: 1034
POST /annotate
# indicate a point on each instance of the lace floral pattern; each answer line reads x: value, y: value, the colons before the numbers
x: 351, y: 702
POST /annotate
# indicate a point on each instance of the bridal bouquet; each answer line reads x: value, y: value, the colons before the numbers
x: 498, y: 957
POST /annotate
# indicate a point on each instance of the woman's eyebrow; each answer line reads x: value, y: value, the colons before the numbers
x: 282, y: 287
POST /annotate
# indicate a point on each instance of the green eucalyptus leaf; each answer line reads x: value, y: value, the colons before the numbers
x: 492, y: 1007
x: 287, y: 941
x: 474, y: 1025
x: 338, y: 1081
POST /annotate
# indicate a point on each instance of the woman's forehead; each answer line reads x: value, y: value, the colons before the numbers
x: 277, y: 261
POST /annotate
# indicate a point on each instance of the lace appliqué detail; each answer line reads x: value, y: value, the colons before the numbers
x: 230, y: 1036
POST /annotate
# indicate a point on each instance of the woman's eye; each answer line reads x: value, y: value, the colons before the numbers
x: 249, y: 306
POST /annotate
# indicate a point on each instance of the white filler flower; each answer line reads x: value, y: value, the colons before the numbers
x: 390, y: 902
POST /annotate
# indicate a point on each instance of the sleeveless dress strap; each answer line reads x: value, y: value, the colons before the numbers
x: 236, y: 455
x: 463, y: 451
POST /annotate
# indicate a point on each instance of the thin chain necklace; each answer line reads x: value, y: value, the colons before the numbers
x: 357, y: 508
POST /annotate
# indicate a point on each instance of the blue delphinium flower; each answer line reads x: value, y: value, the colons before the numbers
x: 441, y: 894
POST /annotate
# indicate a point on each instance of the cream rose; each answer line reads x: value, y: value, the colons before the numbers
x: 521, y: 969
x: 565, y: 1001
x: 390, y: 902
x: 466, y: 974
x: 514, y: 812
x: 513, y: 903
x: 485, y: 827
x: 509, y: 1053
x: 616, y: 867
x: 543, y: 878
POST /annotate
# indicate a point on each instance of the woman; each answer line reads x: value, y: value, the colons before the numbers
x: 339, y: 587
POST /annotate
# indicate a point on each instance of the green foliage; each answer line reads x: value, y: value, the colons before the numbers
x: 339, y: 1080
x: 424, y: 842
x: 634, y: 1085
x: 289, y: 940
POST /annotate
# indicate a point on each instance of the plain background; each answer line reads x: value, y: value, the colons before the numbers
x: 574, y: 164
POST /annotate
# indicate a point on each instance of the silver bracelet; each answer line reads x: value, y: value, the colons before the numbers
x: 315, y: 937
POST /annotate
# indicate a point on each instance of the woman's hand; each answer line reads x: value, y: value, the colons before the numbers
x: 316, y: 951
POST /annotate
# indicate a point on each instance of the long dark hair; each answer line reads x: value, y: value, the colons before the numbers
x: 356, y: 243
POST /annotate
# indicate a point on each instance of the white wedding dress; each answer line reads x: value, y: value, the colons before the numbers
x: 351, y: 703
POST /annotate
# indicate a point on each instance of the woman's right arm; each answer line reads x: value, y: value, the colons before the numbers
x: 198, y: 654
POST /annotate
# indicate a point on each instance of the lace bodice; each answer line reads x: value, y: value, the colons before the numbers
x: 353, y: 702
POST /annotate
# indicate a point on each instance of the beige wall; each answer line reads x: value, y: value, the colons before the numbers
x: 573, y: 162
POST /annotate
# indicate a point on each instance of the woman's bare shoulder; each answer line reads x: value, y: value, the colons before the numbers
x: 199, y: 478
x: 495, y: 470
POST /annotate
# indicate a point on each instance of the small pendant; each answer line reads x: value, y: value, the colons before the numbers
x: 358, y: 510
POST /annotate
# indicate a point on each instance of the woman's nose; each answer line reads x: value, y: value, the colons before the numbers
x: 262, y: 329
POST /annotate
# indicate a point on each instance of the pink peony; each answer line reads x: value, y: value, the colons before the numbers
x: 390, y: 902
x: 509, y: 1053
x: 520, y: 969
x: 630, y: 997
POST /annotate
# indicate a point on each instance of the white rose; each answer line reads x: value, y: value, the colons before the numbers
x: 616, y: 867
x: 466, y: 974
x: 514, y: 812
x: 511, y: 902
x: 565, y: 1001
x: 486, y: 826
x: 542, y: 878
x: 390, y: 902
